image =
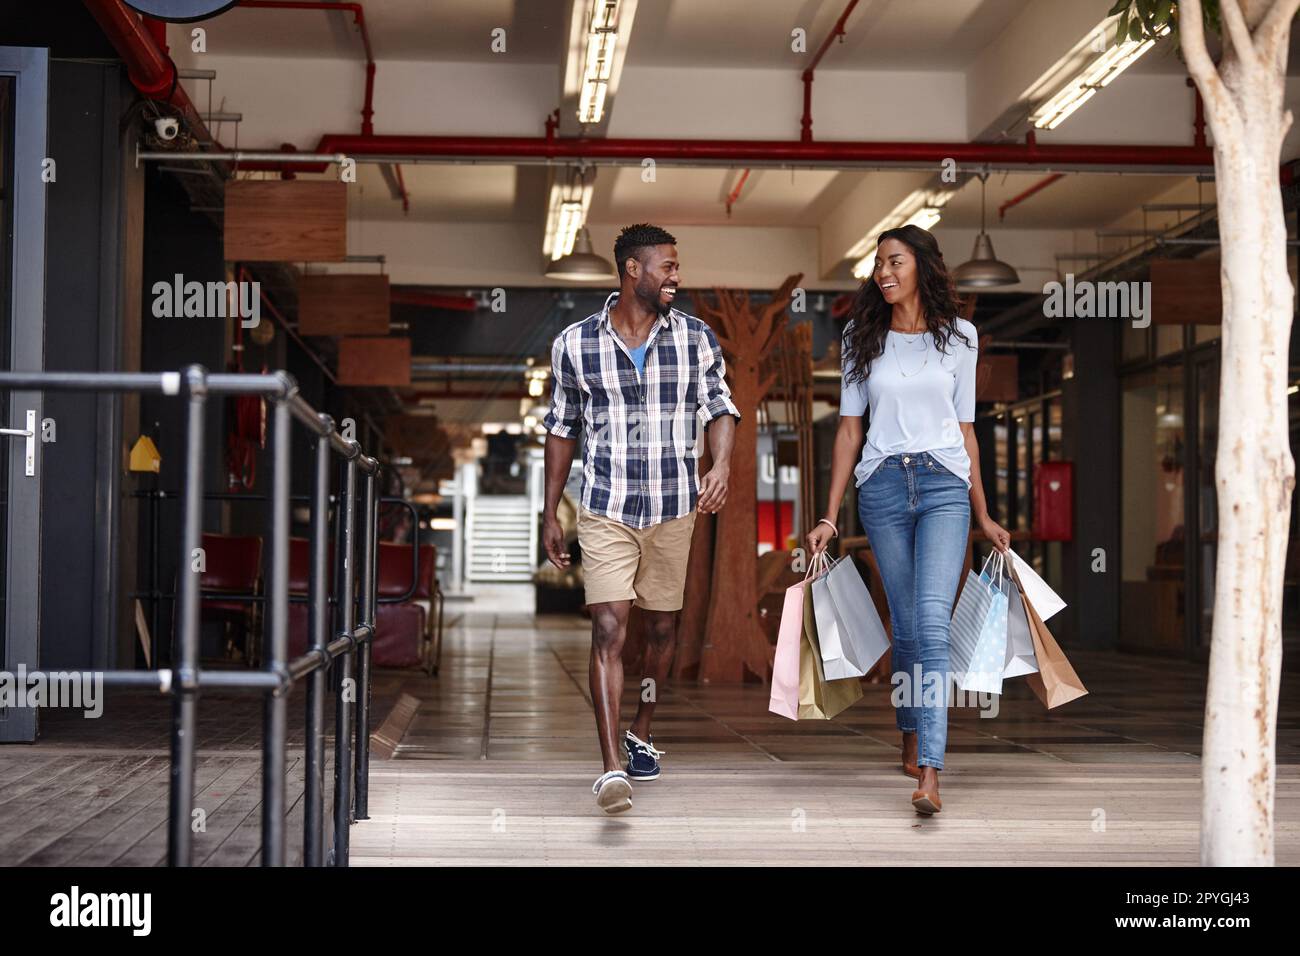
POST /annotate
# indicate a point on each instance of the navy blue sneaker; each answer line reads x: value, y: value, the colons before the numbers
x: 642, y: 757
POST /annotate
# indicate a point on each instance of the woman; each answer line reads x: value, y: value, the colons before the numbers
x: 910, y: 359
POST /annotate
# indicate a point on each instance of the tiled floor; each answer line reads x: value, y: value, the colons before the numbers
x: 497, y: 767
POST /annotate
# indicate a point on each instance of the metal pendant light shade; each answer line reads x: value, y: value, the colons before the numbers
x: 581, y: 265
x: 984, y: 270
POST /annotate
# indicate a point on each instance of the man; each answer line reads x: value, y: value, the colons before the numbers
x: 638, y: 378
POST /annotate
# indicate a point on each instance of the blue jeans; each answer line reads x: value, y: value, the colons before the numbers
x: 916, y: 514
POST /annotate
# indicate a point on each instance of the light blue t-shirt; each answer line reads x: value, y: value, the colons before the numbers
x: 638, y: 355
x: 918, y: 396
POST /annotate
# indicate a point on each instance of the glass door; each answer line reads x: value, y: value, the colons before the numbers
x: 24, y: 92
x: 1153, y: 537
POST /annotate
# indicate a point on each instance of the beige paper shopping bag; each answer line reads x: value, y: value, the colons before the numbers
x: 1056, y: 683
x: 819, y: 698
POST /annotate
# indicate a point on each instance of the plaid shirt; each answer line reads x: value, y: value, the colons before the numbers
x: 641, y: 432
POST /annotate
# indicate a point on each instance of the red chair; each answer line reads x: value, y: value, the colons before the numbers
x: 401, y: 629
x: 299, y: 585
x: 232, y: 564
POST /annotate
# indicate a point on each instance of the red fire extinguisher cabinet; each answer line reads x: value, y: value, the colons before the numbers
x: 1054, y: 501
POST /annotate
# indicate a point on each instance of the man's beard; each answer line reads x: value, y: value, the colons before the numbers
x: 652, y: 299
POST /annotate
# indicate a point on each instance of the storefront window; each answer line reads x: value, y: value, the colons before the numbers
x: 1054, y: 433
x: 1169, y: 339
x: 1002, y: 459
x: 1133, y: 343
x: 1152, y: 562
x: 1023, y: 464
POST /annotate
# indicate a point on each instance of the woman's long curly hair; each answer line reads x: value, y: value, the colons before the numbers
x: 869, y: 314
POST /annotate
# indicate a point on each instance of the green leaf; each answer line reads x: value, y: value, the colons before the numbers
x: 1121, y: 32
x: 1120, y: 5
x: 1145, y: 8
x: 1135, y: 30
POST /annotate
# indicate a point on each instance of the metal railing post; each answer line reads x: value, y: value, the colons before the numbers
x: 180, y: 845
x: 369, y: 586
x: 275, y: 715
x: 345, y: 690
x: 318, y: 629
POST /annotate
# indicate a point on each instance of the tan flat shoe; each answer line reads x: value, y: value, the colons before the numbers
x: 912, y: 770
x: 926, y: 802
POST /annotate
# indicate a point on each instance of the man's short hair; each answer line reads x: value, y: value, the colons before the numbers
x: 633, y: 239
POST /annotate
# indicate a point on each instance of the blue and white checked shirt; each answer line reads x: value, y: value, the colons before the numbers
x: 642, y: 433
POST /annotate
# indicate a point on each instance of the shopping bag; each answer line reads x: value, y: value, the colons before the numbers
x: 1045, y: 601
x: 978, y: 630
x: 819, y: 698
x: 1056, y: 683
x: 785, y: 665
x: 849, y: 630
x: 1021, y: 659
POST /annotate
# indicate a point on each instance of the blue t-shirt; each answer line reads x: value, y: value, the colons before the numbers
x: 638, y: 356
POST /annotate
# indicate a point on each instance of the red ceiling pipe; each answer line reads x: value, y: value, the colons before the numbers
x: 806, y: 133
x: 432, y: 300
x: 367, y: 108
x: 149, y: 68
x: 158, y: 30
x: 1021, y: 197
x: 747, y: 152
x: 735, y: 193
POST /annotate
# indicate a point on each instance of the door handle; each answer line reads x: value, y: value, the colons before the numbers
x: 29, y: 433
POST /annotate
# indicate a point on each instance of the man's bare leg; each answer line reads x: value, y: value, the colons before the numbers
x: 660, y: 642
x: 608, y: 632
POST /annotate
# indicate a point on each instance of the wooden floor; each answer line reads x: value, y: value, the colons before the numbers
x: 94, y: 792
x: 497, y: 765
x: 497, y: 769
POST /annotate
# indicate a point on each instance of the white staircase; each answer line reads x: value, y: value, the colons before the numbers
x: 501, y: 538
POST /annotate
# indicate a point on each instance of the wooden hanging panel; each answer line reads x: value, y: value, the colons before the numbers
x: 374, y: 361
x: 286, y: 221
x: 343, y: 305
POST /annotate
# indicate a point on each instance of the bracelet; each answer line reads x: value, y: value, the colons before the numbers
x: 834, y: 530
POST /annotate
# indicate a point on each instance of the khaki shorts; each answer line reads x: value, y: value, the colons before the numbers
x: 647, y: 566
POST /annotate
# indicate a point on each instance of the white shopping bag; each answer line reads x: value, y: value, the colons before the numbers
x: 1021, y: 659
x: 841, y: 596
x: 1045, y: 601
x: 830, y: 629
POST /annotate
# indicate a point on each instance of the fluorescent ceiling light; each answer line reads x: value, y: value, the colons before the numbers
x: 1084, y: 86
x: 566, y: 211
x: 599, y: 35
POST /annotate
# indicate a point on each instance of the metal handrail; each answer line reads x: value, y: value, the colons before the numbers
x: 183, y: 681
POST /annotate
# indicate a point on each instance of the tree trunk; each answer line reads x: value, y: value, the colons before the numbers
x: 695, y: 605
x: 1254, y: 470
x: 735, y: 645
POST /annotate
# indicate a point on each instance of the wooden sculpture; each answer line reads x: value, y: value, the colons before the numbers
x: 695, y: 602
x: 735, y: 647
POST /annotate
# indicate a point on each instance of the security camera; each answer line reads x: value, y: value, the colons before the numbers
x: 167, y: 127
